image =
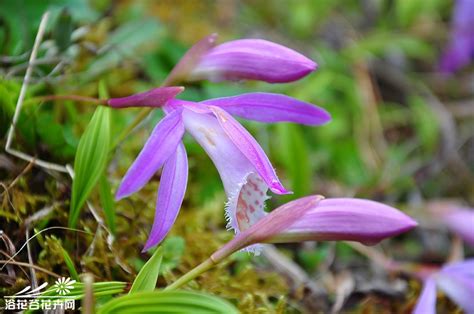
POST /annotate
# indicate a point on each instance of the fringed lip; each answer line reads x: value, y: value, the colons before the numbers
x: 247, y: 205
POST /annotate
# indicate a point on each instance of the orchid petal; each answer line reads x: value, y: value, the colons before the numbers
x: 464, y: 268
x: 158, y: 148
x: 253, y: 59
x: 190, y: 59
x: 458, y: 288
x: 270, y: 225
x: 156, y: 97
x: 427, y: 301
x: 461, y: 222
x: 460, y: 51
x: 170, y: 196
x: 315, y: 218
x: 245, y: 189
x: 267, y: 107
x: 348, y: 219
x: 174, y: 104
x: 250, y: 148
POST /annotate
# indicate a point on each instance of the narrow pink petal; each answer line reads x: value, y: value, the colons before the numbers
x: 459, y: 288
x: 170, y: 196
x: 464, y: 268
x: 461, y: 222
x: 267, y: 107
x: 190, y: 59
x: 460, y: 51
x: 156, y: 97
x: 315, y: 218
x: 427, y: 301
x: 269, y: 226
x: 348, y: 219
x: 158, y: 148
x: 250, y: 148
x: 253, y: 59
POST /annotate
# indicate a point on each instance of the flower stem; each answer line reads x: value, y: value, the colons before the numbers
x: 193, y: 273
x: 70, y: 97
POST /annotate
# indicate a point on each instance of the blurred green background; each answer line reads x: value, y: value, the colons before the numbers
x: 401, y: 131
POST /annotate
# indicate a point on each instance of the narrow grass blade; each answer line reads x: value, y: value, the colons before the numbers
x: 148, y: 275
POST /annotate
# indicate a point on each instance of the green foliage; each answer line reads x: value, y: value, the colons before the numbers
x: 91, y: 160
x: 100, y: 289
x: 70, y: 265
x: 63, y: 31
x: 295, y: 156
x: 425, y: 124
x: 8, y: 92
x: 168, y: 302
x: 173, y: 250
x: 124, y: 42
x: 148, y: 275
x: 108, y: 203
x: 133, y: 45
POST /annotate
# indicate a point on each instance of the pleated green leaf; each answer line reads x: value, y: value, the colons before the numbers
x: 107, y: 201
x: 91, y: 159
x: 148, y: 275
x: 176, y: 302
x: 100, y: 289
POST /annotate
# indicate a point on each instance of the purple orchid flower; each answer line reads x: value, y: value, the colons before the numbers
x: 314, y: 218
x: 460, y: 51
x: 244, y: 59
x: 310, y: 218
x: 245, y: 170
x: 456, y: 280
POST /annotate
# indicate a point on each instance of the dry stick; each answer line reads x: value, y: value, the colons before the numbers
x: 27, y: 168
x: 11, y: 250
x: 19, y: 105
x: 34, y: 281
x: 44, y: 164
x: 70, y: 97
x: 370, y: 96
x: 31, y: 266
x: 11, y: 267
x: 34, y: 236
x: 88, y: 301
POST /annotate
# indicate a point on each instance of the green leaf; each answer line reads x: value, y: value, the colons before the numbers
x: 295, y: 155
x: 91, y: 159
x: 126, y: 41
x: 100, y: 289
x: 425, y: 123
x: 148, y: 275
x: 63, y: 30
x: 70, y: 265
x: 168, y: 302
x: 108, y: 204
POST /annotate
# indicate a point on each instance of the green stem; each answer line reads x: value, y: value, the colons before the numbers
x: 193, y: 273
x: 78, y: 98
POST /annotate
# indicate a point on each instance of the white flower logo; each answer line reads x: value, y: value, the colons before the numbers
x: 64, y: 285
